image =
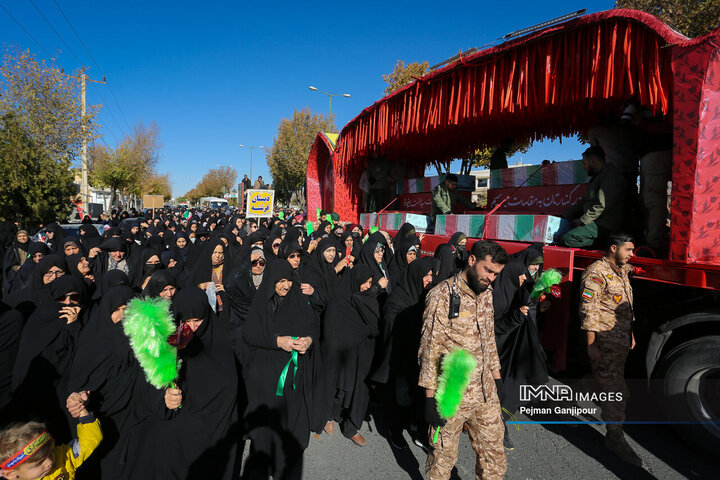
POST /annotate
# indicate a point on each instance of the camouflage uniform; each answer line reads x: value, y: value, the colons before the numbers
x: 606, y: 309
x: 474, y: 331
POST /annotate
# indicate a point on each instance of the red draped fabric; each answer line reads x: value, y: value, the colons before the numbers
x: 550, y: 83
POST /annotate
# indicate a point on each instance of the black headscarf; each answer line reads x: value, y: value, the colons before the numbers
x: 446, y: 255
x: 460, y: 252
x: 90, y: 237
x: 398, y: 264
x: 367, y: 257
x: 406, y: 231
x: 158, y: 281
x: 202, y: 271
x: 58, y: 236
x: 321, y: 274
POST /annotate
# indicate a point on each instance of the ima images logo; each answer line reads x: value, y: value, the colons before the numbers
x: 544, y: 393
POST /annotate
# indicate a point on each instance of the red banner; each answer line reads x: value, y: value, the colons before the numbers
x: 421, y: 202
x: 547, y: 199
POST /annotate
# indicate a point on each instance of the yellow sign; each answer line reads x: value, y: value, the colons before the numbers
x: 260, y: 203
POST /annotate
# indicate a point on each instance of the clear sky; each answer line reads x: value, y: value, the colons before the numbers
x: 216, y: 74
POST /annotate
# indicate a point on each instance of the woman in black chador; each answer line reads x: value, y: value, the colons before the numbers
x: 522, y: 358
x: 281, y: 336
x: 349, y: 330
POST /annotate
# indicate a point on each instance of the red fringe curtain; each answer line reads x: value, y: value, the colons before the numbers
x: 549, y: 84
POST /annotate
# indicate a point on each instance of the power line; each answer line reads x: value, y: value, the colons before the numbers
x: 87, y: 50
x: 25, y: 30
x: 72, y: 52
x: 56, y: 32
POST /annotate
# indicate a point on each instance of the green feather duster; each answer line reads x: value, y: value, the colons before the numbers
x: 457, y: 368
x: 548, y: 278
x: 148, y: 323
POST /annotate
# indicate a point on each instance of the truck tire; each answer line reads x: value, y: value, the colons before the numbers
x: 688, y: 378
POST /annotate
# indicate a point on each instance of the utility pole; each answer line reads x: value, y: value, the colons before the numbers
x: 84, y: 187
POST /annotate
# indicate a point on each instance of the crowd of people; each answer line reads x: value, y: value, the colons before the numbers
x: 283, y: 328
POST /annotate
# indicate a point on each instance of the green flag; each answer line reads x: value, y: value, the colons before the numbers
x: 281, y: 215
x: 309, y: 227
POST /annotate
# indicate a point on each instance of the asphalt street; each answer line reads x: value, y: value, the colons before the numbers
x: 554, y: 452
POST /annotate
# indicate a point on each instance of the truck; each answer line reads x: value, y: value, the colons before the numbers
x: 213, y: 202
x: 553, y: 82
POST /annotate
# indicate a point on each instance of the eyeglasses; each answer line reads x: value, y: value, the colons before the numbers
x: 54, y: 273
x: 293, y: 255
x: 258, y: 261
x: 73, y: 297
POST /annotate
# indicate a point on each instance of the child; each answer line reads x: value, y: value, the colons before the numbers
x: 28, y: 451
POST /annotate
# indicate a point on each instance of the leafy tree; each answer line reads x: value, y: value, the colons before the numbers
x: 689, y: 17
x: 404, y: 74
x: 181, y: 199
x: 156, y: 184
x: 289, y: 154
x: 130, y: 165
x: 46, y: 103
x: 481, y: 156
x: 35, y: 188
x: 215, y: 183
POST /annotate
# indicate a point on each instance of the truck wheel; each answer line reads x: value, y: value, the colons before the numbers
x: 689, y: 382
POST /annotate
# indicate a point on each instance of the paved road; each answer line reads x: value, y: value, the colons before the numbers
x: 542, y: 452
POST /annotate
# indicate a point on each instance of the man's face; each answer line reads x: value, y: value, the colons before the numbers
x: 481, y: 273
x: 591, y: 165
x: 623, y: 253
x: 450, y: 185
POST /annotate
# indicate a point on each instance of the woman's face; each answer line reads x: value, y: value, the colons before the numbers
x: 168, y: 292
x: 181, y: 242
x: 154, y: 260
x: 329, y: 254
x: 522, y: 279
x: 378, y: 254
x: 257, y: 263
x: 52, y: 274
x: 71, y: 249
x: 357, y: 230
x: 194, y: 323
x: 37, y: 257
x: 193, y: 227
x: 339, y: 232
x: 225, y: 241
x: 462, y: 244
x: 70, y: 298
x: 134, y: 230
x: 117, y: 315
x: 349, y: 242
x: 533, y: 269
x: 50, y: 235
x: 427, y: 279
x: 366, y: 285
x: 294, y: 259
x: 410, y: 256
x: 276, y: 245
x: 282, y: 287
x: 328, y: 228
x: 83, y: 266
x: 172, y: 263
x: 218, y: 255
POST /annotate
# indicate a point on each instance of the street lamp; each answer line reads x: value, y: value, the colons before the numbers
x: 251, y: 150
x: 330, y: 95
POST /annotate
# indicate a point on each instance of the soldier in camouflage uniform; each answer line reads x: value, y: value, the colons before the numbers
x: 606, y: 312
x: 472, y: 330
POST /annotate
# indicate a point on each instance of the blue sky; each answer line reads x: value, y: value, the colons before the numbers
x: 213, y: 75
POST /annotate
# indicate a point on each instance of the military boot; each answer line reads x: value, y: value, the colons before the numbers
x: 616, y: 443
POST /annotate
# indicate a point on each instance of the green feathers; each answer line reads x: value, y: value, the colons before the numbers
x: 457, y: 368
x: 148, y: 324
x: 547, y: 279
